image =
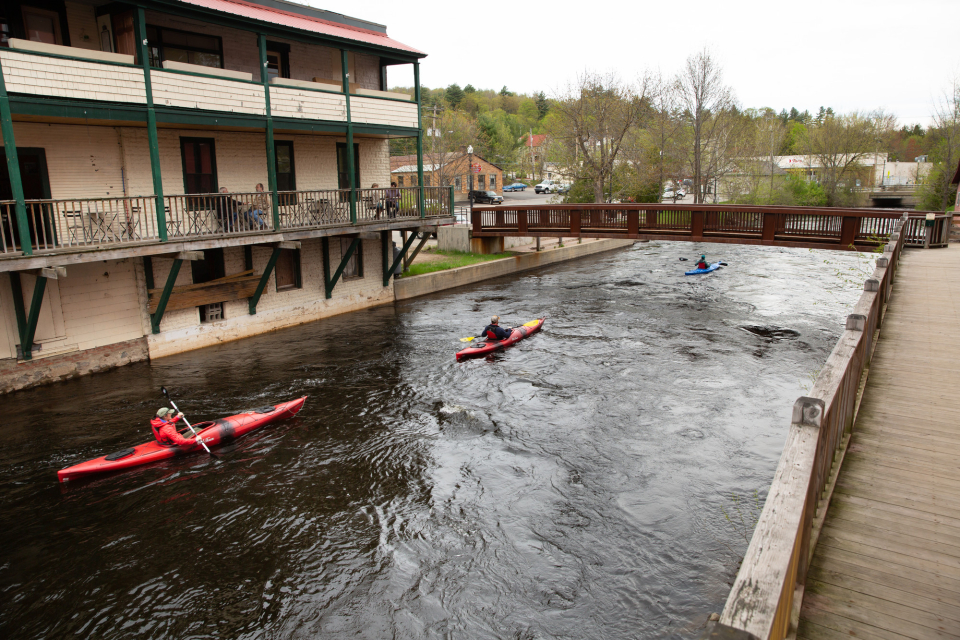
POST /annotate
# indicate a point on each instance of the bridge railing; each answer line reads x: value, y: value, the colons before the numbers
x: 928, y: 234
x: 815, y: 227
x: 769, y: 586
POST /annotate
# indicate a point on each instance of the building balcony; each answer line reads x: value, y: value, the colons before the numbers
x: 81, y: 226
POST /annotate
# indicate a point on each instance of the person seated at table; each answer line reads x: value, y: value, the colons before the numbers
x: 227, y: 211
x: 257, y: 213
x: 393, y: 198
x: 377, y: 201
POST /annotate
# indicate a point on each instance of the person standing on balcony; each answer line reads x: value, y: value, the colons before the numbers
x: 393, y: 198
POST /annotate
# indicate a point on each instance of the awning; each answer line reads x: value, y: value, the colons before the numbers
x: 303, y: 23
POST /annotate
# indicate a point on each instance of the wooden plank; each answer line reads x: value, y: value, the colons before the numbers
x: 833, y: 624
x: 834, y: 557
x: 215, y: 291
x: 896, y: 586
x: 894, y: 510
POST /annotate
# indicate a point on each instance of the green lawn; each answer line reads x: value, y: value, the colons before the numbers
x: 452, y: 260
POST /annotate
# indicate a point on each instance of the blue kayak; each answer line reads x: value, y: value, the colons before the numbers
x: 696, y: 272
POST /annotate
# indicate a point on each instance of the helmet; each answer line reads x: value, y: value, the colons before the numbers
x: 703, y: 256
x: 163, y: 411
x: 494, y: 319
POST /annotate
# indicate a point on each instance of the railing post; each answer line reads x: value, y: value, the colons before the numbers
x: 522, y: 221
x: 575, y: 217
x: 140, y: 32
x: 345, y: 69
x: 769, y: 231
x: 476, y: 220
x: 849, y: 225
x: 696, y: 224
x: 13, y: 169
x: 633, y: 222
x: 416, y: 88
x: 271, y: 147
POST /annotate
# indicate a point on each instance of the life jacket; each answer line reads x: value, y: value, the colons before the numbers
x: 156, y: 424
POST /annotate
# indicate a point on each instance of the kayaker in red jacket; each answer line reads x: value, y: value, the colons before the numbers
x: 164, y: 427
x: 703, y: 262
x: 494, y: 331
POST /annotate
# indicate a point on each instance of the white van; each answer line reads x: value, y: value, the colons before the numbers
x: 547, y: 186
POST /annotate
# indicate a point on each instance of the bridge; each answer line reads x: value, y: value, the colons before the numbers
x: 805, y: 227
x: 859, y: 535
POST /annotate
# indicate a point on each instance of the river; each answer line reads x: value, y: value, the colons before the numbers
x: 587, y: 483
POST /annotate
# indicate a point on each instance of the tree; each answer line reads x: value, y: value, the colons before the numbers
x: 594, y: 116
x: 709, y: 108
x: 444, y: 152
x: 835, y: 149
x: 469, y: 89
x: 454, y: 95
x: 504, y: 92
x: 542, y: 105
x: 937, y: 193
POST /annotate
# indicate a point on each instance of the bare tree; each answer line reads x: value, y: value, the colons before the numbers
x: 836, y: 148
x: 445, y: 149
x: 593, y: 117
x: 937, y: 193
x: 709, y: 108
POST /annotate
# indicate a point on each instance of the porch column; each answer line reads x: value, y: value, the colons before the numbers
x: 140, y: 31
x: 416, y: 88
x: 350, y: 159
x: 271, y: 148
x: 13, y: 169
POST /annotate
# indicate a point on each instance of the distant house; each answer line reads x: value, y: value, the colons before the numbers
x: 447, y: 169
x: 535, y: 154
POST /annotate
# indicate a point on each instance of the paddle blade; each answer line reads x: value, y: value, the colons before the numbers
x: 470, y: 339
x: 532, y: 323
x: 683, y: 259
x: 724, y: 264
x: 163, y: 390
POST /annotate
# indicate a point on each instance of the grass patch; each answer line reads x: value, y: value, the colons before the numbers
x: 451, y: 260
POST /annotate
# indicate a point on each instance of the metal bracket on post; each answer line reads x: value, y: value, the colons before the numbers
x: 330, y: 283
x: 157, y: 316
x: 413, y: 256
x: 403, y: 252
x: 808, y: 412
x: 255, y: 298
x: 27, y: 320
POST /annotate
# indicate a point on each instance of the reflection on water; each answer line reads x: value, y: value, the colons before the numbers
x: 570, y: 487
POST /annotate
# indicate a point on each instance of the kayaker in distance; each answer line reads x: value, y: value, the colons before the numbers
x: 165, y: 429
x: 494, y: 331
x: 703, y: 262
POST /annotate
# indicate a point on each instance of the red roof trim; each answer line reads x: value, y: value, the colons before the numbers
x: 304, y: 23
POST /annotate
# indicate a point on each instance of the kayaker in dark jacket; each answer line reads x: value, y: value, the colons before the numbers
x: 164, y: 427
x: 494, y: 331
x: 703, y: 262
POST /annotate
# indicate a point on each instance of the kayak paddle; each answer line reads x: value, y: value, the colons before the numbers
x: 177, y: 409
x: 532, y: 323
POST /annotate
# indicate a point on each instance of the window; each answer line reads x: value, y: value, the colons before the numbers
x: 199, y: 165
x: 41, y: 25
x: 211, y: 312
x: 426, y: 181
x: 413, y: 180
x: 288, y: 270
x: 482, y: 183
x: 354, y: 268
x: 123, y: 34
x: 286, y: 171
x: 183, y: 46
x: 343, y: 176
x: 278, y: 60
x: 493, y: 181
x: 457, y: 184
x: 399, y: 181
x: 210, y: 268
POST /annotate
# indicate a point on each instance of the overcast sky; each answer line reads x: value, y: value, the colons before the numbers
x: 846, y: 54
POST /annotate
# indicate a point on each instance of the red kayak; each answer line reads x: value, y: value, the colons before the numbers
x: 213, y: 433
x: 489, y: 346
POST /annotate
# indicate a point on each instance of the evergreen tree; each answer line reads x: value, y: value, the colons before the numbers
x: 542, y: 104
x: 454, y: 95
x: 469, y: 89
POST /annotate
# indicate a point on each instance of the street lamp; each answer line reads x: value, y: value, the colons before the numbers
x: 470, y: 178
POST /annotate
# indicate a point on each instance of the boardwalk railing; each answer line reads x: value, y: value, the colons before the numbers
x: 59, y: 224
x: 815, y: 227
x: 769, y: 586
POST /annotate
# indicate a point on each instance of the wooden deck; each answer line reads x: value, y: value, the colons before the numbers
x: 887, y: 562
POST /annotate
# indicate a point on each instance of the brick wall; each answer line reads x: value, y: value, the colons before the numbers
x: 240, y: 50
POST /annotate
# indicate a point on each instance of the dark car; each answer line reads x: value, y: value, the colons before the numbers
x: 485, y: 197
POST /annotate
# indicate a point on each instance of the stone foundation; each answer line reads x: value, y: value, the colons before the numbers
x: 20, y: 375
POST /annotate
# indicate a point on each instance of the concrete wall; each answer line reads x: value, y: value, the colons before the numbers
x: 405, y: 288
x: 457, y: 238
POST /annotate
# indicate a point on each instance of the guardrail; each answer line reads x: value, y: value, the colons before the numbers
x: 769, y: 585
x: 64, y: 224
x: 817, y: 227
x: 921, y: 232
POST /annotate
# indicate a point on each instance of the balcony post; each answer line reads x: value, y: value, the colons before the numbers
x: 350, y: 159
x: 271, y: 149
x: 452, y: 211
x: 13, y: 169
x: 416, y: 88
x: 140, y: 30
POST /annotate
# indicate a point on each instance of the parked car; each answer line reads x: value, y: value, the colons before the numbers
x: 485, y: 197
x: 516, y: 186
x: 563, y: 188
x: 547, y: 186
x: 673, y: 195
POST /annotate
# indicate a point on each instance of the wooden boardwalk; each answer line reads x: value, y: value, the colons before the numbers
x: 887, y: 562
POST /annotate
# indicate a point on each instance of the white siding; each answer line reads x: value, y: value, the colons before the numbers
x: 212, y: 94
x: 61, y: 78
x: 377, y: 111
x: 312, y: 105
